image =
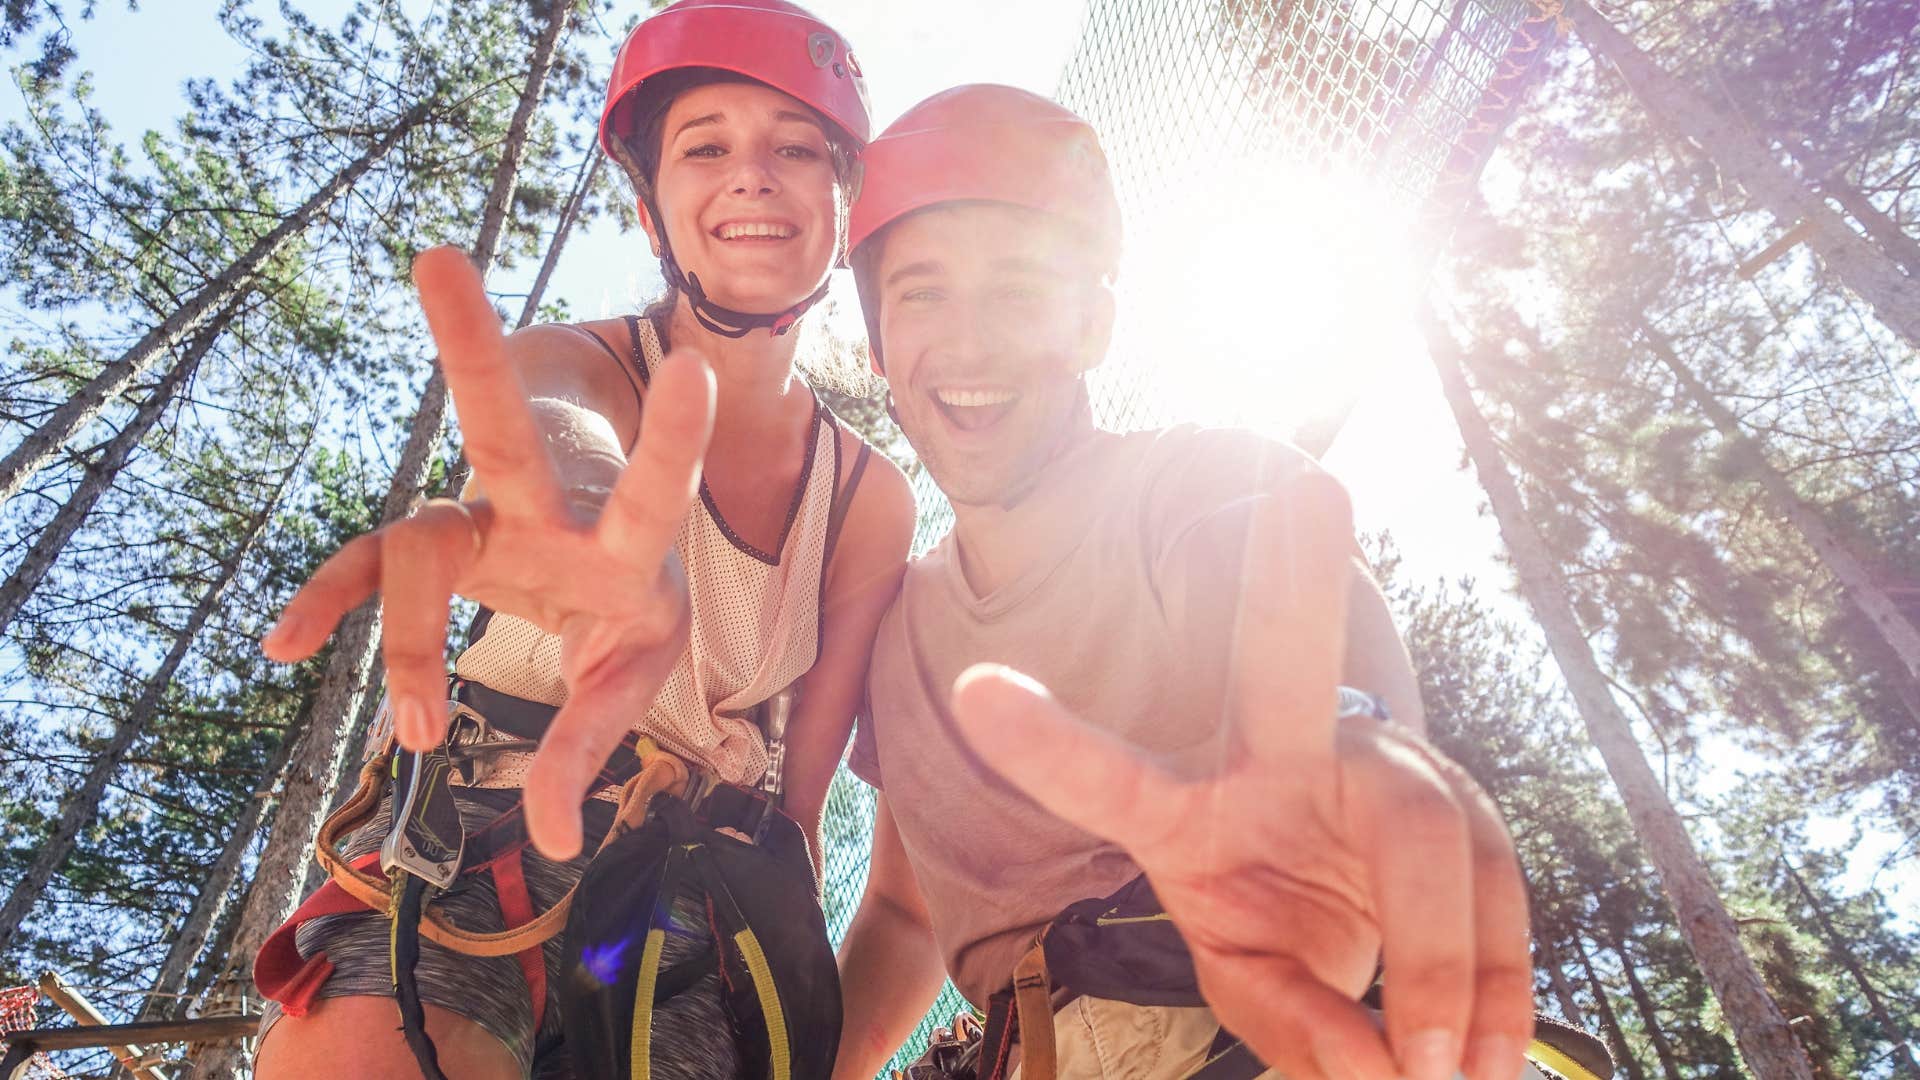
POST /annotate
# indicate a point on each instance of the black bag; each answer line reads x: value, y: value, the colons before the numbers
x: 1123, y: 947
x: 781, y: 985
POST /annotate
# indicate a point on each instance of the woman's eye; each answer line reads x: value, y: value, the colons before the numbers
x: 920, y: 295
x: 800, y: 152
x: 705, y: 150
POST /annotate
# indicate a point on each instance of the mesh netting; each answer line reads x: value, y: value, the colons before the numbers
x: 1282, y: 165
x: 18, y: 1012
x: 1276, y: 160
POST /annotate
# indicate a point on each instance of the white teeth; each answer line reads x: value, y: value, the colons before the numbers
x: 734, y: 230
x: 966, y: 399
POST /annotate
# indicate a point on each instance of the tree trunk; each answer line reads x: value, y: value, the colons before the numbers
x: 1837, y: 945
x: 1885, y: 231
x: 346, y: 778
x: 315, y: 761
x: 1872, y: 601
x: 1557, y: 977
x: 493, y: 217
x: 569, y: 213
x: 83, y: 805
x: 1765, y: 1041
x: 43, y: 443
x: 1622, y: 1052
x: 212, y: 906
x: 100, y: 475
x: 1643, y: 1004
x: 1741, y: 155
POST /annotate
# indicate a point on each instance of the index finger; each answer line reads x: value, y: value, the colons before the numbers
x: 502, y: 440
x: 1290, y: 638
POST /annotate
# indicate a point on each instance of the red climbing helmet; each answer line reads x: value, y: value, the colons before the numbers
x: 991, y: 143
x: 771, y: 41
x: 982, y: 142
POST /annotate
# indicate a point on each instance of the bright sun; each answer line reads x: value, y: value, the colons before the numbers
x: 1265, y: 300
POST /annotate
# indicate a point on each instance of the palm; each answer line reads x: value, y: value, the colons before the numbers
x: 1317, y: 846
x: 1238, y: 891
x: 606, y: 582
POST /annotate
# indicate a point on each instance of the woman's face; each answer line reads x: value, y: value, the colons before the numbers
x: 748, y: 196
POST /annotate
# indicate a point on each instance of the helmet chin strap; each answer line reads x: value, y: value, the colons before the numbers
x: 717, y: 318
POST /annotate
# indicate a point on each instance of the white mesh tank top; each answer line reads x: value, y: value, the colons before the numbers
x: 755, y: 620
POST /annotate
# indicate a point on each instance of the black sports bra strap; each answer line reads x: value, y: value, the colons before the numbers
x: 611, y: 355
x: 838, y: 514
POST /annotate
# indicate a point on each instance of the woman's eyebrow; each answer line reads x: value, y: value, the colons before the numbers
x: 700, y: 121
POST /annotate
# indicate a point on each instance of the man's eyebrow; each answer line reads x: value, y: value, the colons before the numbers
x: 1025, y: 265
x: 923, y: 268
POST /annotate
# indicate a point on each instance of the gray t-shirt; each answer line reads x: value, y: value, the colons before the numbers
x: 1126, y: 615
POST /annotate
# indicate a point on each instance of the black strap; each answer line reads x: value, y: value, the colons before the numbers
x: 525, y: 719
x: 1002, y: 1030
x: 614, y: 356
x: 843, y: 499
x: 406, y: 986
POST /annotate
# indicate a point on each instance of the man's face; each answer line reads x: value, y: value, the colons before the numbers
x: 989, y: 315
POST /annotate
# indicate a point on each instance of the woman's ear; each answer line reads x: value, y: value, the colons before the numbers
x: 1096, y: 328
x: 649, y: 225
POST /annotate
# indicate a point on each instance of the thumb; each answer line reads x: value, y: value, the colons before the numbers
x: 1074, y: 770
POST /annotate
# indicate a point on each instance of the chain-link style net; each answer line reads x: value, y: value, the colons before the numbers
x: 18, y: 1012
x: 1284, y: 166
x: 1286, y: 170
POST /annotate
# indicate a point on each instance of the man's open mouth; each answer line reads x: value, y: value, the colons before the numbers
x: 975, y: 408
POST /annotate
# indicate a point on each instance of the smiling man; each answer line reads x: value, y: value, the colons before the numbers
x: 1182, y: 606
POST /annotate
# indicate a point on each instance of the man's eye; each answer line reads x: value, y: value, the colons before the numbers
x: 921, y: 295
x: 800, y: 152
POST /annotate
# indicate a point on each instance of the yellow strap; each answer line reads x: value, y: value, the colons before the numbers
x: 1544, y: 1053
x: 1131, y: 920
x: 642, y: 1060
x: 769, y: 1003
x: 1033, y: 999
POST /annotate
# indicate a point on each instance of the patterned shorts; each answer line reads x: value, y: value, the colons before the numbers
x: 692, y: 1037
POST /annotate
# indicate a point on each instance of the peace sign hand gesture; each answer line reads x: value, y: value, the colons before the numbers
x: 608, y: 584
x: 1318, y: 842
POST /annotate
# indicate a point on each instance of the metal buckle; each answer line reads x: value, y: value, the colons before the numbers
x: 426, y: 837
x: 471, y: 747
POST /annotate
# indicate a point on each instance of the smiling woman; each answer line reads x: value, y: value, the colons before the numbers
x: 735, y: 121
x: 744, y: 192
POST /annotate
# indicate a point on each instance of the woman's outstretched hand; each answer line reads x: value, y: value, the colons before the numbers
x: 608, y: 584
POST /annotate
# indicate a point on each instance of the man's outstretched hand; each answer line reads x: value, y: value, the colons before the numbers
x: 1316, y: 845
x: 609, y: 583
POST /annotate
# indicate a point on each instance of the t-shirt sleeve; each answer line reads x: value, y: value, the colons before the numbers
x: 1199, y: 475
x: 864, y: 759
x: 1196, y: 513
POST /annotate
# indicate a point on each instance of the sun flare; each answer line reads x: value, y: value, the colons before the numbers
x: 1264, y: 298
